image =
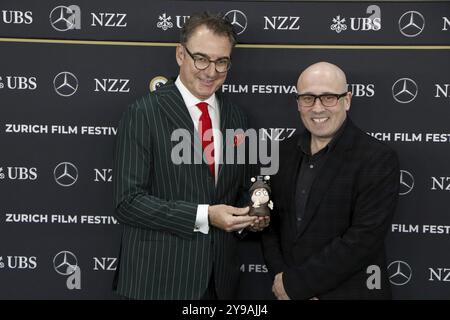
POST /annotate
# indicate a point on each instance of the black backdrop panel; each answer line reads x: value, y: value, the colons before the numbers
x: 51, y: 222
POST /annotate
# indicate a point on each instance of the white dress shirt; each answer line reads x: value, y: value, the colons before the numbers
x: 201, y: 221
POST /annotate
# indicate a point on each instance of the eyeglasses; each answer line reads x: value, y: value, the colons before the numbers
x: 327, y: 99
x: 201, y: 62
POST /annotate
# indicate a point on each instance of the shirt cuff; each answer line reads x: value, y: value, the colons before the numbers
x: 201, y: 221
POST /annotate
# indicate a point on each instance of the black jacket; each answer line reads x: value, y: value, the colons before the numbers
x: 347, y: 216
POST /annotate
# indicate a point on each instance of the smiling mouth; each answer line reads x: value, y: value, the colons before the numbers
x: 206, y: 82
x: 319, y: 120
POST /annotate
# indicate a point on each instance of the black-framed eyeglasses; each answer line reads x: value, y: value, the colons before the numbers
x: 307, y: 100
x: 202, y: 62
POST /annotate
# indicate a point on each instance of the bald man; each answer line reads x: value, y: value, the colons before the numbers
x: 336, y: 192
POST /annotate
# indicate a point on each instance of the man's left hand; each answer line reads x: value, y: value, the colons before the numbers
x: 260, y: 224
x: 278, y: 288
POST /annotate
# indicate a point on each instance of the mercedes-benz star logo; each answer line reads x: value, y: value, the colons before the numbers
x: 65, y: 263
x: 411, y: 24
x: 399, y: 273
x: 238, y: 19
x: 64, y: 18
x: 404, y: 90
x: 65, y: 84
x: 65, y: 174
x: 406, y: 182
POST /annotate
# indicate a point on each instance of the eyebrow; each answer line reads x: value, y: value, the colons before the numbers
x: 206, y: 56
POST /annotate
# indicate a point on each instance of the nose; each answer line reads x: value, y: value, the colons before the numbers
x: 317, y: 105
x: 211, y: 70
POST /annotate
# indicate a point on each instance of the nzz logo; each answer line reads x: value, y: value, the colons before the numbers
x: 112, y: 85
x: 277, y: 134
x: 109, y: 19
x: 105, y: 263
x: 281, y: 23
x: 103, y: 175
x: 18, y: 173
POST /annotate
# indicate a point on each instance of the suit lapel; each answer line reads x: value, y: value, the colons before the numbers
x: 172, y: 104
x: 327, y: 174
x: 225, y: 123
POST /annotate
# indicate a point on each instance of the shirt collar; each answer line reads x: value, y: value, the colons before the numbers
x: 189, y: 99
x: 304, y: 141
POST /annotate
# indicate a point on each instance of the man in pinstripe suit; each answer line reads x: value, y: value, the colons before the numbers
x: 178, y: 220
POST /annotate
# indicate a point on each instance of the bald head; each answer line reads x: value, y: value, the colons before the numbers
x: 322, y: 74
x: 324, y: 116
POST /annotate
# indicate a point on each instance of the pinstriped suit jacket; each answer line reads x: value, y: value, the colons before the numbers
x: 156, y: 202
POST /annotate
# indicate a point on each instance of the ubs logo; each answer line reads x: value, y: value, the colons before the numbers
x: 164, y: 22
x: 19, y: 262
x: 19, y: 173
x: 370, y: 23
x: 17, y: 16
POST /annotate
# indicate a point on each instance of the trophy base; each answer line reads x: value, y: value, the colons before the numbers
x: 260, y: 212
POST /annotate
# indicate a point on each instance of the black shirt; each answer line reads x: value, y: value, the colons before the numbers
x: 309, y: 168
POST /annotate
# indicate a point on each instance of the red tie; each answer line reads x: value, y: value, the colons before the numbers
x: 203, y: 126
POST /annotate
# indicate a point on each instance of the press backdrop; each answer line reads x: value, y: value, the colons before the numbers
x: 69, y: 69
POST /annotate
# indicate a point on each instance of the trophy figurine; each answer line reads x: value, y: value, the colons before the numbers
x: 260, y: 197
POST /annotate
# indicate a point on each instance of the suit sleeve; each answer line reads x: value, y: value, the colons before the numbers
x: 135, y: 206
x: 374, y: 206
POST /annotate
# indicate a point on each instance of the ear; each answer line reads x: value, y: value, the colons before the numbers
x: 348, y: 100
x: 179, y: 54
